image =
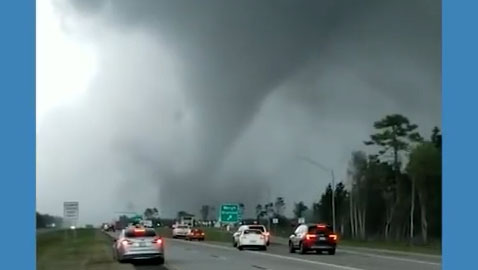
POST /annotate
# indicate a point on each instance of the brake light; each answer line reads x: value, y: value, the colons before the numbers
x: 310, y: 236
x: 139, y: 230
x: 321, y: 226
x: 266, y: 234
x: 202, y: 233
x: 126, y: 242
x: 158, y: 241
x: 333, y: 237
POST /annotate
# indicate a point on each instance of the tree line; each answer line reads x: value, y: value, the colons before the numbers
x: 394, y: 193
x: 47, y: 221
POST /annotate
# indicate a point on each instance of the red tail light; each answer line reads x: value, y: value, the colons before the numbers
x: 126, y: 242
x: 158, y: 241
x: 202, y: 233
x: 310, y: 236
x: 333, y: 237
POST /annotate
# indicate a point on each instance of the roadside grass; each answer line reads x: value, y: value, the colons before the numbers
x: 220, y: 235
x: 433, y: 248
x: 82, y: 249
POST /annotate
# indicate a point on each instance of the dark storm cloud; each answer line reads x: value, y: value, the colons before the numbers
x: 202, y: 99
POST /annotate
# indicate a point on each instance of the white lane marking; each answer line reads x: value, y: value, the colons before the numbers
x: 389, y: 257
x: 391, y: 252
x: 306, y: 261
x: 204, y: 244
x: 375, y: 250
x: 337, y: 266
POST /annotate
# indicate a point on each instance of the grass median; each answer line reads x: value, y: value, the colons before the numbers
x: 82, y: 249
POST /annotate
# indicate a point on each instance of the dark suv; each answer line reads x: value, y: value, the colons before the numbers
x: 315, y: 237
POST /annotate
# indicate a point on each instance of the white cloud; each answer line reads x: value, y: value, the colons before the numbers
x: 64, y: 66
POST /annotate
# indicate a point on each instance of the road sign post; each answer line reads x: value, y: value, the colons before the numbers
x: 71, y: 212
x: 229, y: 213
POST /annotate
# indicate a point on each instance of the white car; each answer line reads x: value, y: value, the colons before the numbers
x: 148, y: 223
x: 262, y: 228
x: 181, y: 231
x: 252, y: 239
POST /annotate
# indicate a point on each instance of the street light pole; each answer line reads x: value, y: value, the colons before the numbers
x: 317, y: 164
x: 333, y: 200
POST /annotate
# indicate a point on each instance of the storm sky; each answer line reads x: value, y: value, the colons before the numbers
x: 203, y: 102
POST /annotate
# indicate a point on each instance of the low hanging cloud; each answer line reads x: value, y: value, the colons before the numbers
x: 201, y: 102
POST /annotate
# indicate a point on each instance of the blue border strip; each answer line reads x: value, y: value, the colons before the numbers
x: 17, y: 134
x: 460, y: 118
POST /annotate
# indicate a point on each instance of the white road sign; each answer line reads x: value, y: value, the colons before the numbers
x: 275, y: 220
x: 71, y: 210
x: 301, y: 220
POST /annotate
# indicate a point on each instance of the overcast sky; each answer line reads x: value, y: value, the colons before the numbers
x: 175, y: 104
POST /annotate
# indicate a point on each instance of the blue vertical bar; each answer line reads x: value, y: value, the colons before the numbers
x: 17, y: 134
x: 460, y: 148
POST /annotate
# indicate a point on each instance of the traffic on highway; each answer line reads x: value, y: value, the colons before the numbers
x: 216, y: 134
x: 146, y: 249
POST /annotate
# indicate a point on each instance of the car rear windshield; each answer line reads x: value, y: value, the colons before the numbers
x: 319, y: 229
x: 140, y: 233
x: 252, y: 232
x: 260, y: 228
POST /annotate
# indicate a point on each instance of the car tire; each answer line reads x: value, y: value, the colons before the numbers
x: 331, y: 251
x: 302, y: 249
x: 118, y: 258
x: 240, y: 247
x: 159, y: 261
x: 234, y: 243
x: 291, y: 247
x: 264, y: 248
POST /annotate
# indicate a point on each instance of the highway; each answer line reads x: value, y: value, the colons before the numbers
x: 185, y: 255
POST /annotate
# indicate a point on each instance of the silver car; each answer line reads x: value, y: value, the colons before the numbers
x: 139, y: 244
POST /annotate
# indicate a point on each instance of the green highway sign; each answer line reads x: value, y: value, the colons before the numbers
x: 229, y: 213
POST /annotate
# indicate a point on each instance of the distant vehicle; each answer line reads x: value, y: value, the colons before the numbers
x: 262, y: 228
x: 139, y: 244
x: 252, y: 239
x: 187, y: 220
x: 148, y: 223
x: 195, y: 234
x: 181, y: 231
x: 315, y: 237
x: 108, y: 227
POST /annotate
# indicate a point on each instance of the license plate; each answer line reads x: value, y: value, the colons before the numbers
x: 253, y: 241
x: 322, y: 238
x: 142, y: 244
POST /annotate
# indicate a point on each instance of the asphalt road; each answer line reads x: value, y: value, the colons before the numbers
x: 185, y: 255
